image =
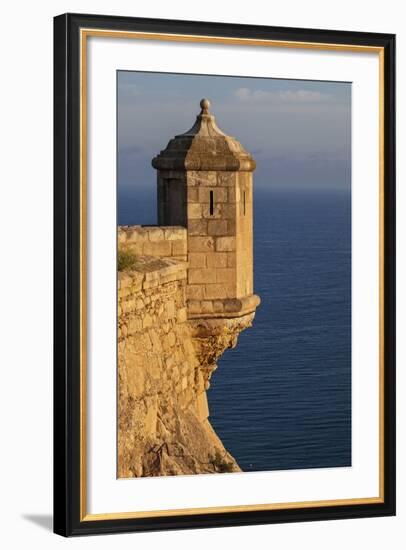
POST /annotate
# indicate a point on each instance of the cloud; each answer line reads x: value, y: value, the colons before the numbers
x: 128, y: 90
x: 282, y: 96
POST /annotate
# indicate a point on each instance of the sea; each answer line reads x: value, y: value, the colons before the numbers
x: 281, y: 399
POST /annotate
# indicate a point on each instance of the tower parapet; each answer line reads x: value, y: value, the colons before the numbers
x: 205, y: 184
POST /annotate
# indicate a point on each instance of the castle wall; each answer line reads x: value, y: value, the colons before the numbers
x: 158, y: 241
x: 162, y: 405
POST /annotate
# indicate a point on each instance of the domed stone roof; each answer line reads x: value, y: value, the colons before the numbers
x: 204, y: 147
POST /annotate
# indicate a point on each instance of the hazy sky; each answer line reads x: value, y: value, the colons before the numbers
x: 298, y: 131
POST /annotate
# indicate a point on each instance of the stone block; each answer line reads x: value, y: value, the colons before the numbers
x: 197, y: 259
x: 205, y: 275
x: 201, y: 178
x: 200, y: 244
x: 193, y: 306
x: 175, y: 233
x: 170, y: 268
x: 192, y: 195
x: 207, y: 306
x: 138, y: 234
x: 194, y: 211
x: 197, y: 227
x: 226, y: 275
x: 226, y: 179
x: 194, y: 292
x: 153, y: 275
x: 216, y: 291
x: 156, y: 234
x: 218, y: 306
x: 231, y: 227
x: 160, y: 249
x: 216, y: 259
x: 232, y: 305
x: 228, y: 211
x: 225, y: 244
x: 179, y: 248
x: 217, y: 227
x: 167, y: 279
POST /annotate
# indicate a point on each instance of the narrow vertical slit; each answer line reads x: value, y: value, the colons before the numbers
x: 165, y: 202
x: 211, y: 203
x: 244, y: 203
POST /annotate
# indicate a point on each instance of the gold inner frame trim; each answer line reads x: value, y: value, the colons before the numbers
x: 173, y: 37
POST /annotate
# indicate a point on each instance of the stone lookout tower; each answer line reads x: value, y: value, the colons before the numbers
x: 205, y: 184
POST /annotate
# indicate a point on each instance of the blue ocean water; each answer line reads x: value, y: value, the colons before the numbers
x: 282, y: 398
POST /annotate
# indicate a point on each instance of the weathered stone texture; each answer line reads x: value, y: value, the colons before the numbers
x: 161, y: 242
x: 211, y: 337
x: 163, y: 426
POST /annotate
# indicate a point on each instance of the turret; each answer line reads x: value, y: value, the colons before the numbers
x: 205, y: 183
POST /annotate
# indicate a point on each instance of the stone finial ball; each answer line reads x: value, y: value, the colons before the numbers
x: 205, y: 104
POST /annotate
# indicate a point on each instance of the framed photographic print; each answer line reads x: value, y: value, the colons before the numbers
x: 224, y: 274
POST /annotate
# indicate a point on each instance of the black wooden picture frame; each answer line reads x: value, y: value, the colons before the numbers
x: 69, y: 470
